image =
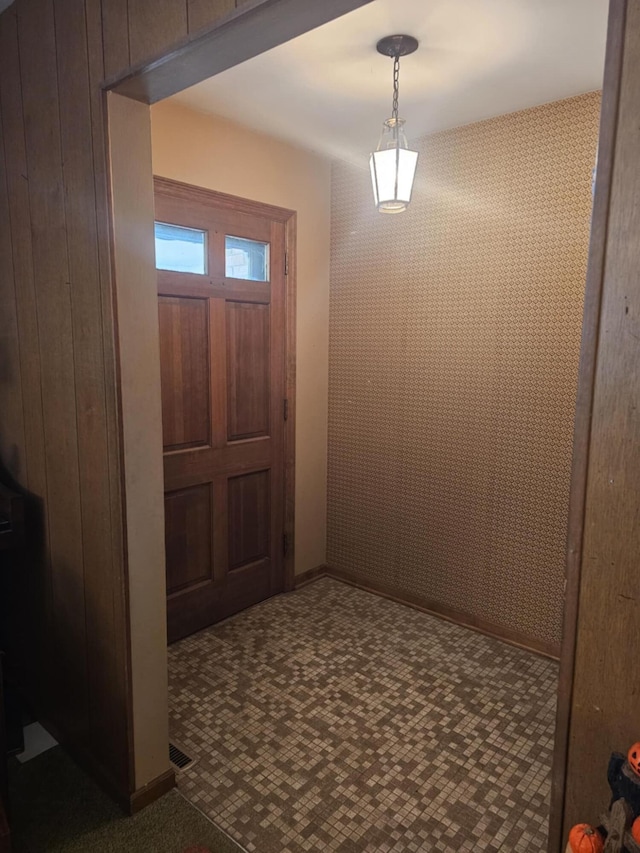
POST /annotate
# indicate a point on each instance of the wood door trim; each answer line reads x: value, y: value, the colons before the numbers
x: 584, y: 409
x: 151, y: 792
x: 291, y: 231
x: 224, y: 201
x: 201, y: 287
x: 250, y: 29
x: 189, y: 192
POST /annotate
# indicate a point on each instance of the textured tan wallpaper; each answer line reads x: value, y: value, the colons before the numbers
x: 454, y: 342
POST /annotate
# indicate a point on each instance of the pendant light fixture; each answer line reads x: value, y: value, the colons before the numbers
x: 393, y: 164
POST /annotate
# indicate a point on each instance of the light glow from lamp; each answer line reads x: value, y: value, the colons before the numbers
x: 393, y: 169
x: 393, y: 164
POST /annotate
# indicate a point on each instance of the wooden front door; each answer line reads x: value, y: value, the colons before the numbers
x: 222, y: 315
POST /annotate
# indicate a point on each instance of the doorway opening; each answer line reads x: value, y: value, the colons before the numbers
x: 369, y: 386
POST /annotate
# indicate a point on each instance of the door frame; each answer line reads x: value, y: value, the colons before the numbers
x: 289, y: 218
x: 247, y: 32
x: 583, y: 413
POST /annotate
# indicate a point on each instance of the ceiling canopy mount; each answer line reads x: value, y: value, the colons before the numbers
x: 400, y: 45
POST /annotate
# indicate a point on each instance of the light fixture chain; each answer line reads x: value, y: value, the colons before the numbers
x: 396, y: 86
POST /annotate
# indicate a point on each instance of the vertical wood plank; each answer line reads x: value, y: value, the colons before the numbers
x: 36, y: 34
x: 18, y: 198
x: 584, y: 403
x: 604, y: 711
x: 86, y: 308
x: 114, y: 30
x: 155, y: 26
x: 38, y: 673
x: 202, y: 13
x: 120, y: 698
x: 12, y: 440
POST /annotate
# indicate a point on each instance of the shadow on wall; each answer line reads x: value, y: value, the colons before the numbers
x: 23, y: 577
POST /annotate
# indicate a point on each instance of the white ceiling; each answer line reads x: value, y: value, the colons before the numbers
x: 329, y: 90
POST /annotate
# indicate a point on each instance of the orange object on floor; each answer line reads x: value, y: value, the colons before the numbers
x: 633, y: 757
x: 583, y: 838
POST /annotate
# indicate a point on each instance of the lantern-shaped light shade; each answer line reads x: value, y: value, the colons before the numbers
x: 393, y: 168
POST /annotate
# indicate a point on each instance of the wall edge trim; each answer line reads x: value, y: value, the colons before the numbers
x: 151, y: 792
x: 433, y: 608
x: 310, y: 575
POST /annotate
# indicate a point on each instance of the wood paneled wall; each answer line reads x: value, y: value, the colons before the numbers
x: 61, y: 416
x: 58, y: 421
x: 604, y: 708
x: 135, y: 30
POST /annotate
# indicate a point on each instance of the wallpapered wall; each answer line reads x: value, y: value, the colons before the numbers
x: 454, y: 343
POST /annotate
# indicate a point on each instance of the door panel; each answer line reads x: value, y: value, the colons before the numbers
x: 188, y: 529
x: 222, y: 344
x: 184, y: 366
x: 248, y: 370
x: 249, y: 519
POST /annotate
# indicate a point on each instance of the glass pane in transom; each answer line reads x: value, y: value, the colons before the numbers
x: 180, y: 249
x: 247, y: 259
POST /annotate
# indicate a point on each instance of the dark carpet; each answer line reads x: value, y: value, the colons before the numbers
x: 58, y: 809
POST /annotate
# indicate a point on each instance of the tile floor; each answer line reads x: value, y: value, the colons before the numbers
x: 331, y: 719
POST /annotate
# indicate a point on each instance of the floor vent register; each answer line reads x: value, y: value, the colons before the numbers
x: 179, y: 758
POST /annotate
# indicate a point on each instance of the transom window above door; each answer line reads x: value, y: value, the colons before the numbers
x: 183, y: 249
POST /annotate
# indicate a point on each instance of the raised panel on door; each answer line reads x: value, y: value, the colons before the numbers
x: 188, y: 538
x: 249, y: 519
x: 184, y: 368
x: 248, y: 370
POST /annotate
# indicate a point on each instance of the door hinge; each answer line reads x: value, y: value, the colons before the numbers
x: 285, y: 409
x: 285, y: 544
x: 286, y: 263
